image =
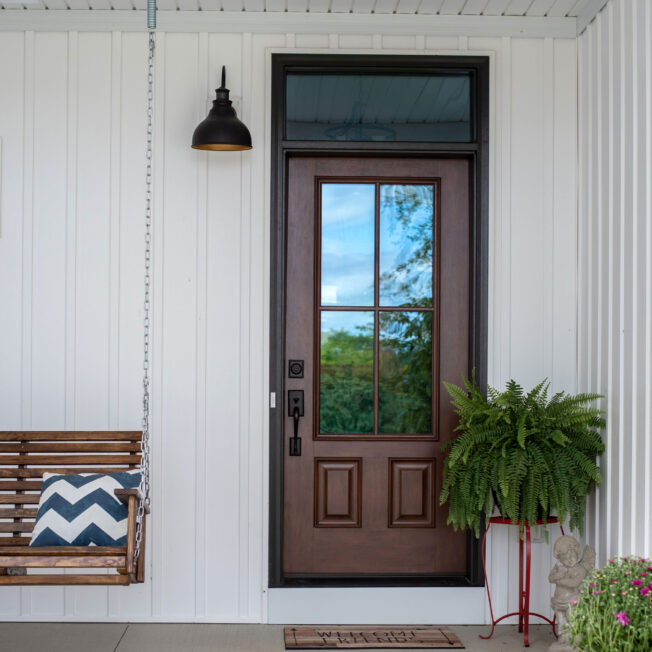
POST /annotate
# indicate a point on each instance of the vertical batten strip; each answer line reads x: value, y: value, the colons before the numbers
x: 633, y: 277
x: 599, y: 219
x: 71, y: 231
x: 548, y: 215
x: 647, y: 432
x: 115, y: 192
x: 608, y: 526
x: 620, y: 329
x: 114, y: 231
x: 245, y: 341
x: 201, y: 488
x: 70, y: 375
x: 27, y: 284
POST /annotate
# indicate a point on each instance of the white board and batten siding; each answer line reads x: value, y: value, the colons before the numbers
x: 72, y: 123
x: 615, y: 266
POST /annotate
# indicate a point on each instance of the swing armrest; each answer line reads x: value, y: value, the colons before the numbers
x: 123, y: 496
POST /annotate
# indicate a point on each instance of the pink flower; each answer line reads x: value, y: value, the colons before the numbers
x: 623, y: 593
x: 643, y: 574
x: 627, y: 572
x: 636, y: 582
x: 645, y: 591
x: 591, y: 585
x: 614, y: 581
x: 649, y: 568
x: 596, y: 592
x: 622, y: 618
x: 575, y: 601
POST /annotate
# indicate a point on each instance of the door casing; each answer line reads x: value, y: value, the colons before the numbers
x: 477, y: 153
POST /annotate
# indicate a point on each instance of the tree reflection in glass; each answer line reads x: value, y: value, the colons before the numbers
x: 346, y: 401
x: 405, y: 373
x: 406, y: 242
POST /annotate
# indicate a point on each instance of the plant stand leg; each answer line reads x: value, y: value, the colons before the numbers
x: 526, y: 595
x: 521, y: 597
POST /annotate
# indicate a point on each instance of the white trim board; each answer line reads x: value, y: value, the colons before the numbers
x: 377, y: 606
x: 284, y: 22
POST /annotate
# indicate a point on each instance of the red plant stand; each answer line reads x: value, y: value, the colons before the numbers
x: 523, y: 612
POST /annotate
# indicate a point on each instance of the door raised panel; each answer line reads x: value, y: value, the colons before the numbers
x: 337, y: 493
x: 411, y: 491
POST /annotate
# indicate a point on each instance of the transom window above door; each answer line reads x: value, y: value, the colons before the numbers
x: 419, y: 106
x: 377, y: 270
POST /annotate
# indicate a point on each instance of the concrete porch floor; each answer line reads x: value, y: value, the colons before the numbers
x: 122, y: 637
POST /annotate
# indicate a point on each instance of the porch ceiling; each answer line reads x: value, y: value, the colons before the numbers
x: 582, y: 11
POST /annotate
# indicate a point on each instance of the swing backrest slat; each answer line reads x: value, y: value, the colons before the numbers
x: 26, y: 456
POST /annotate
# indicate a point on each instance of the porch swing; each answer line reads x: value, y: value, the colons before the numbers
x: 26, y: 456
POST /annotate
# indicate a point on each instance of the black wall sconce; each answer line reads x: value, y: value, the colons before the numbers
x: 222, y: 130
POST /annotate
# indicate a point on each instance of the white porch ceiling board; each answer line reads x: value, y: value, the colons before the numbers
x: 319, y: 6
x: 363, y: 6
x: 561, y: 7
x: 496, y: 7
x: 166, y: 5
x: 275, y: 5
x: 188, y: 5
x: 100, y: 5
x: 341, y: 6
x: 78, y: 4
x: 407, y: 6
x: 452, y: 7
x: 474, y: 7
x: 216, y: 5
x: 540, y: 8
x: 140, y: 4
x: 430, y: 6
x: 385, y: 6
x: 231, y: 5
x: 518, y: 7
x: 297, y: 5
x: 120, y: 5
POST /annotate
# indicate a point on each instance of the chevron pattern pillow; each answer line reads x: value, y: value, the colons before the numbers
x: 82, y: 510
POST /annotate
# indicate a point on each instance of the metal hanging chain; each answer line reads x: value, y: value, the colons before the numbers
x: 145, y: 440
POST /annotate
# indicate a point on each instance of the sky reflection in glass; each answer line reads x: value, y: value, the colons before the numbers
x: 406, y: 219
x: 347, y: 247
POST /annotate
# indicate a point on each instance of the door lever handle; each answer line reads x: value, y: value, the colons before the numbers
x: 295, y: 410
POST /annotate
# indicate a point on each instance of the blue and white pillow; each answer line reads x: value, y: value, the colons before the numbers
x: 82, y: 510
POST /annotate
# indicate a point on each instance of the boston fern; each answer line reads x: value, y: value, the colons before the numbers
x: 527, y: 455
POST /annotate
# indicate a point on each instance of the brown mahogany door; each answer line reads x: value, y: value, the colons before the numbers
x: 378, y: 308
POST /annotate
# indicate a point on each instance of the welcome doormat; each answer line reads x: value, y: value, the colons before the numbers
x: 360, y: 638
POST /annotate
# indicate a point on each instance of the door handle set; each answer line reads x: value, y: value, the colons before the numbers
x: 296, y: 411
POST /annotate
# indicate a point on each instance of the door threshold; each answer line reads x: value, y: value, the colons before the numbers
x: 380, y: 605
x: 388, y: 580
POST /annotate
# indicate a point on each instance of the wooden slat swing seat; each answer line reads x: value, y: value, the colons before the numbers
x: 26, y: 456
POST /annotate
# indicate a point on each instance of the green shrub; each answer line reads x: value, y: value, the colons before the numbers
x: 527, y: 455
x: 614, y: 611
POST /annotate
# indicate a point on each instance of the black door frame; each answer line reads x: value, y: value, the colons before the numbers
x: 477, y: 152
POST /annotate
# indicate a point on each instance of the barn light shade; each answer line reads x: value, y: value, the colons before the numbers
x: 222, y: 131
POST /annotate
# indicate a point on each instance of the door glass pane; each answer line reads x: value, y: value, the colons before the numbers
x: 346, y: 400
x: 405, y: 373
x: 403, y: 107
x: 406, y: 241
x: 347, y: 244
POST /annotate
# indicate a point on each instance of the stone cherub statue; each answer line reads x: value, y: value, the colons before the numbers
x: 567, y: 574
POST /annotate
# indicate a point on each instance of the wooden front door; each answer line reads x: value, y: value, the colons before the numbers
x: 378, y: 309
